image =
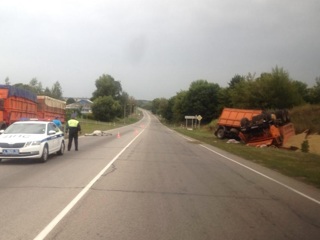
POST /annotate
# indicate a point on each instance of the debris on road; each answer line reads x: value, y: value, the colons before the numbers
x: 98, y: 133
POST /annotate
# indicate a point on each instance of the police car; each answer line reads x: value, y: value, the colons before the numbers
x: 31, y: 139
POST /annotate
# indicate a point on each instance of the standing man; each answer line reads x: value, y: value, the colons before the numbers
x: 57, y: 122
x: 73, y: 126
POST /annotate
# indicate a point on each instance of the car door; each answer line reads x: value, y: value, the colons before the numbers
x: 53, y: 140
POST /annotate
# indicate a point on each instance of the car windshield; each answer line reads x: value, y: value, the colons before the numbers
x: 28, y: 128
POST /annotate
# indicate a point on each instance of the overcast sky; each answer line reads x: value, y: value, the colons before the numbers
x: 156, y: 48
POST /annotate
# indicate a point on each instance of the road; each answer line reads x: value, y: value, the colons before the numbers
x: 147, y: 182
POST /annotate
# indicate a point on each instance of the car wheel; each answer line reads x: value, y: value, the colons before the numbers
x: 45, y: 154
x: 62, y: 147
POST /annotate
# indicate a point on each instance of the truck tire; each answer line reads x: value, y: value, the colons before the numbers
x: 244, y: 123
x: 220, y: 133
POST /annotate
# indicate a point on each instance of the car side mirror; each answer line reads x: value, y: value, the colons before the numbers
x: 1, y: 131
x: 52, y: 132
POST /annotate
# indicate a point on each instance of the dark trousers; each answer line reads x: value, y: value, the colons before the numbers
x: 71, y: 137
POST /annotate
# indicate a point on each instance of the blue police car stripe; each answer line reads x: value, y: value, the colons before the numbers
x: 52, y: 137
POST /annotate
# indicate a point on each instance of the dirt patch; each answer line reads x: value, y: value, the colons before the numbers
x: 297, y: 140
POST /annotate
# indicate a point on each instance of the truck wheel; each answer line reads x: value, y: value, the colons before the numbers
x: 45, y: 154
x: 244, y: 123
x: 62, y: 147
x: 234, y: 133
x: 221, y: 133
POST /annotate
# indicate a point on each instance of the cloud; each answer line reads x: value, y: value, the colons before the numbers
x: 156, y: 48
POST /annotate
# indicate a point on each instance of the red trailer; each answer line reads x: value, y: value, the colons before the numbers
x: 16, y: 104
x: 50, y: 108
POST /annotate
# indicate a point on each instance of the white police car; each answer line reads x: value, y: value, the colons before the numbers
x: 31, y: 139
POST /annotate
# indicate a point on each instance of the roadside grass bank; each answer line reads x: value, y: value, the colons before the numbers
x: 88, y: 126
x: 299, y: 165
x: 306, y: 117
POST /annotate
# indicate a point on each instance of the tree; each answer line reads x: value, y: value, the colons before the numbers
x: 240, y: 94
x: 56, y: 91
x: 105, y: 108
x: 235, y: 80
x: 70, y: 100
x: 159, y: 106
x: 179, y: 108
x: 168, y: 113
x: 277, y: 90
x: 302, y: 89
x: 131, y: 104
x: 269, y: 91
x: 224, y: 95
x: 314, y: 92
x: 107, y: 86
x: 47, y: 92
x: 7, y: 81
x: 36, y: 86
x: 202, y: 99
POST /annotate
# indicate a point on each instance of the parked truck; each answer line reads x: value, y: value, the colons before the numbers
x: 17, y: 104
x: 255, y: 127
x: 49, y: 108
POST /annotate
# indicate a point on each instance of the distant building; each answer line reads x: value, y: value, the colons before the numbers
x: 84, y: 105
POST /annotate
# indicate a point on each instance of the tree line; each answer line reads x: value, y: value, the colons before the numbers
x: 269, y: 91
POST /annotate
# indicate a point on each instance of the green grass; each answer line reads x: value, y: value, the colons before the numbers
x: 306, y: 117
x: 302, y: 166
x: 88, y: 126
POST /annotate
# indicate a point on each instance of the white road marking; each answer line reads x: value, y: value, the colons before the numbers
x: 263, y: 175
x: 64, y: 212
x: 259, y: 173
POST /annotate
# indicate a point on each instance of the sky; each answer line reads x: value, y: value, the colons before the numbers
x: 156, y: 48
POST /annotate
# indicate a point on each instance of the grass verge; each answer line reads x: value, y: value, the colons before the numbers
x: 88, y: 126
x: 301, y: 166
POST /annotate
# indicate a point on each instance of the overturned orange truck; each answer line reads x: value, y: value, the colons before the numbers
x: 18, y: 104
x: 255, y: 127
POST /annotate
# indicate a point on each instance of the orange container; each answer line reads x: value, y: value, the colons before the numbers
x: 16, y: 104
x: 50, y: 108
x: 231, y: 117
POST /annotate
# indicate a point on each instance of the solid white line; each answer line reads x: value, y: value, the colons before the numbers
x: 263, y: 175
x: 64, y: 212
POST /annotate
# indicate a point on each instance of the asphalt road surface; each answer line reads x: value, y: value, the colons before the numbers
x: 147, y: 182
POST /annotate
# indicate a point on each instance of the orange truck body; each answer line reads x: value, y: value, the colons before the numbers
x: 254, y: 127
x: 16, y: 104
x: 50, y: 108
x: 229, y: 122
x: 19, y: 104
x: 231, y: 116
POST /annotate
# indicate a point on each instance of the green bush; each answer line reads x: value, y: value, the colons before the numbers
x: 305, y: 146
